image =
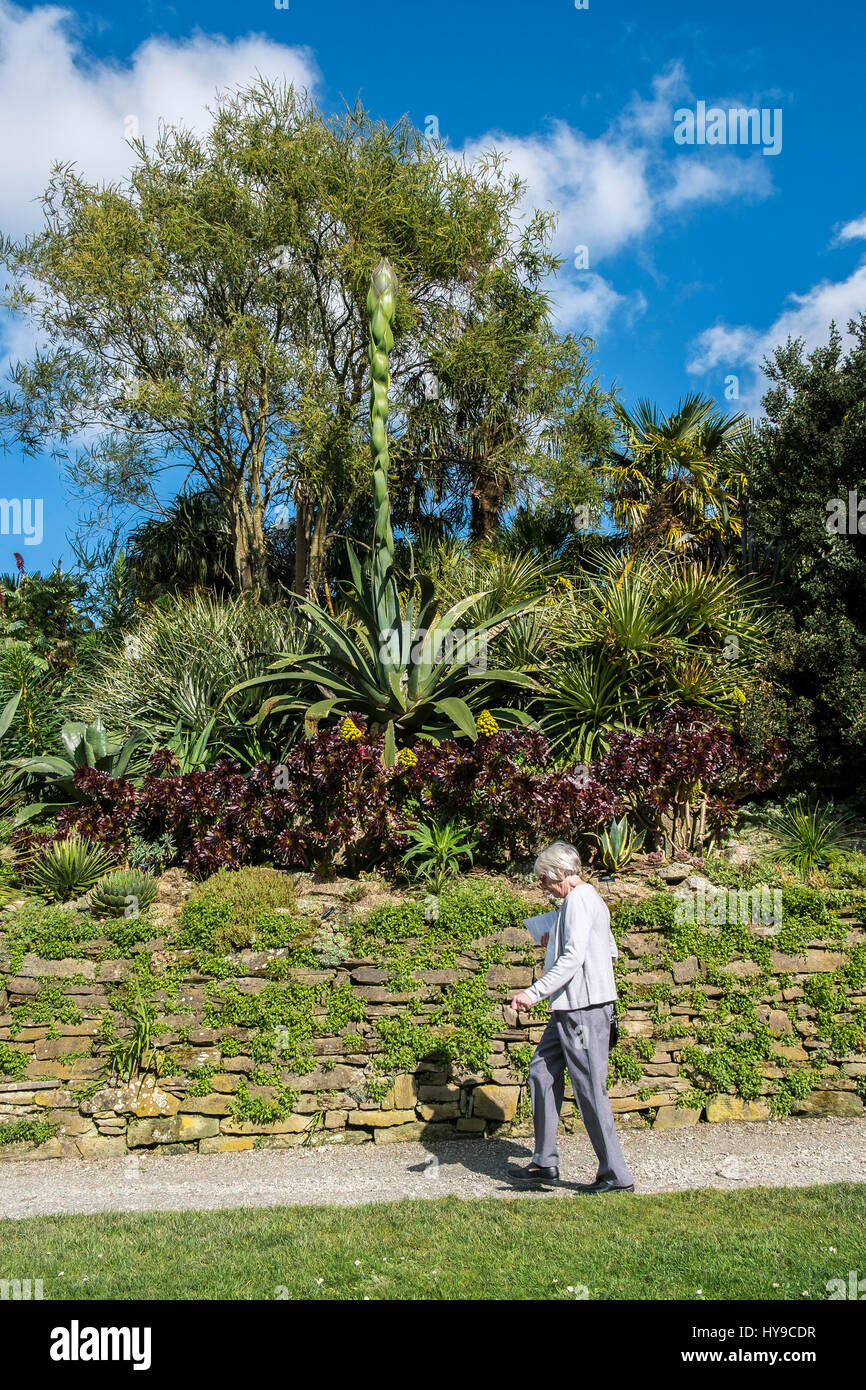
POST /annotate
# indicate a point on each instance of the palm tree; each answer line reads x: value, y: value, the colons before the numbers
x: 677, y: 479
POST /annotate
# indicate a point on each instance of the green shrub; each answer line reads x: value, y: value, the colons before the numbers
x: 235, y: 909
x: 461, y: 914
x: 27, y: 1131
x: 658, y: 911
x: 56, y: 933
x: 12, y: 1063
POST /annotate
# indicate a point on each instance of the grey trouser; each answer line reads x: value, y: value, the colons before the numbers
x: 577, y: 1039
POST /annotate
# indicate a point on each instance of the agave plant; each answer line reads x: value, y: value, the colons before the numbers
x: 808, y: 832
x: 401, y: 663
x: 124, y: 893
x: 619, y: 844
x: 66, y: 868
x: 84, y: 745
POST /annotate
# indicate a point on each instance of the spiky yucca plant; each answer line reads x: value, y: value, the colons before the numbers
x: 68, y: 867
x: 124, y: 893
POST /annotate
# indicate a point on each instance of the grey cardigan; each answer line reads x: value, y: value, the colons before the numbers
x: 578, y: 967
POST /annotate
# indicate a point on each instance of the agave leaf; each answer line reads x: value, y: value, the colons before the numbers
x: 460, y: 714
x: 8, y: 713
x: 389, y: 756
x: 36, y: 808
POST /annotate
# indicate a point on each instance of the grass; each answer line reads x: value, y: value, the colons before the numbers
x: 768, y: 1243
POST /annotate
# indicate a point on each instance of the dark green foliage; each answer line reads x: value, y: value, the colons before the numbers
x: 811, y: 450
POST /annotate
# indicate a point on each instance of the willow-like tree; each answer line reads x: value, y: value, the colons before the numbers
x: 207, y: 314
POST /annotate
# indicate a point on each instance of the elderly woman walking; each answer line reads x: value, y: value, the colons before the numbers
x: 578, y: 981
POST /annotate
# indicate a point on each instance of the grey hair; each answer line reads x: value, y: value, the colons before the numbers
x: 558, y: 861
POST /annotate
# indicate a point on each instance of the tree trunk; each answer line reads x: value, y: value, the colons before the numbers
x: 318, y: 551
x: 487, y: 494
x: 251, y: 558
x: 302, y: 541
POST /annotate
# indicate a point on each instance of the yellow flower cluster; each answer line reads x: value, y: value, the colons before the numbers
x: 406, y: 758
x: 486, y: 724
x: 350, y: 731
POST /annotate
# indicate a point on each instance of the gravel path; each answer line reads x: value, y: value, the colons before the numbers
x: 778, y: 1153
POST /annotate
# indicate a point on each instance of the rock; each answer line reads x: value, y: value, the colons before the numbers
x: 291, y: 1124
x: 34, y: 967
x: 225, y: 1144
x: 471, y: 1124
x: 71, y: 1122
x: 172, y: 1130
x: 845, y: 1104
x: 204, y: 1105
x: 438, y: 1093
x: 59, y: 1047
x: 741, y: 969
x: 171, y: 891
x: 739, y: 854
x: 144, y: 1099
x: 675, y: 1117
x: 402, y: 1094
x: 449, y: 1110
x: 380, y: 1119
x: 733, y: 1108
x: 495, y: 1102
x: 810, y: 963
x: 673, y: 873
x: 685, y: 971
x: 101, y: 1146
x: 339, y: 1078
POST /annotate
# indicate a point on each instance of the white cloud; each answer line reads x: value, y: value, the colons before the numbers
x: 58, y: 103
x: 614, y: 192
x: 851, y: 231
x: 588, y: 302
x: 742, y: 348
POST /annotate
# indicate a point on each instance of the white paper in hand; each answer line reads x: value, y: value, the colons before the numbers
x: 541, y: 925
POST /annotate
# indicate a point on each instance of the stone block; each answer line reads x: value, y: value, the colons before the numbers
x: 493, y: 1102
x: 720, y: 1108
x: 844, y: 1104
x: 381, y: 1119
x: 673, y: 1117
x: 174, y: 1129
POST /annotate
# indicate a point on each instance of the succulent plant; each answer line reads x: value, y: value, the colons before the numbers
x: 65, y: 868
x: 124, y: 893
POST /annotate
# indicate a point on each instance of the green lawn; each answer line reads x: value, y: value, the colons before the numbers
x: 759, y: 1244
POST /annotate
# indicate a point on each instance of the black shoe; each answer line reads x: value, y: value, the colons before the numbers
x: 607, y: 1186
x: 533, y: 1174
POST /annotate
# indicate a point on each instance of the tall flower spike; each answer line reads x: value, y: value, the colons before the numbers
x: 381, y: 303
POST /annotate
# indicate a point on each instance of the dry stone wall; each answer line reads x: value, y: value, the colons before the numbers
x: 63, y: 1101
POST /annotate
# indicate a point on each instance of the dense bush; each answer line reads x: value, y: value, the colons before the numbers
x: 234, y: 910
x: 333, y: 798
x: 685, y: 780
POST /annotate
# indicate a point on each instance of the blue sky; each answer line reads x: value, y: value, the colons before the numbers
x: 700, y: 257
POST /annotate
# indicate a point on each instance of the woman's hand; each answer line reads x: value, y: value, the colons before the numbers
x: 521, y: 1002
x: 545, y: 939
